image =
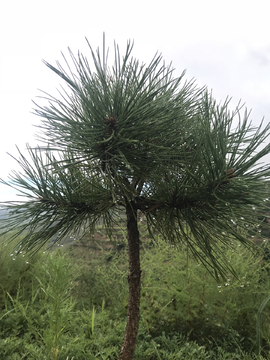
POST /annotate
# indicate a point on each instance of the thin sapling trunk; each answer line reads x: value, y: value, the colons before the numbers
x: 134, y: 281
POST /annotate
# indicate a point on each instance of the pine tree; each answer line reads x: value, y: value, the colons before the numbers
x: 131, y: 138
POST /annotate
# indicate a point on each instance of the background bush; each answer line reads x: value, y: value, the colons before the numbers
x: 58, y: 306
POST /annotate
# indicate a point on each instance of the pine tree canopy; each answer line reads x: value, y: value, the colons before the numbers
x: 135, y: 134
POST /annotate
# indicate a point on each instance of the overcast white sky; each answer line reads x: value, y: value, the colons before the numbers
x: 223, y: 44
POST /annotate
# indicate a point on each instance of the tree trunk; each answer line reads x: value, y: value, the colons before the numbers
x: 134, y: 281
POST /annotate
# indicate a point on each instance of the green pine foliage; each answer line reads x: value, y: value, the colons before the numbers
x: 132, y: 133
x: 132, y: 139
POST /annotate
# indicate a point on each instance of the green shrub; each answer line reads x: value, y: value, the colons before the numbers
x: 60, y: 307
x: 15, y: 273
x: 180, y: 295
x: 46, y: 312
x: 103, y: 280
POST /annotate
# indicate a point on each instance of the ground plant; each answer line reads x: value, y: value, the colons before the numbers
x: 185, y: 313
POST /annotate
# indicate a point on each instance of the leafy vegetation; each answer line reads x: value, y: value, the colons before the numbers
x: 132, y: 139
x: 70, y: 304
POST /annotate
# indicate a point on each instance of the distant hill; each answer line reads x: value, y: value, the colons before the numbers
x: 67, y: 240
x: 3, y: 214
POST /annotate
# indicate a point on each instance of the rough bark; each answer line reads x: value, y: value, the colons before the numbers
x: 134, y: 281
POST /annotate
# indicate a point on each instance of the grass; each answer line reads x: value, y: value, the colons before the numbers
x: 71, y: 304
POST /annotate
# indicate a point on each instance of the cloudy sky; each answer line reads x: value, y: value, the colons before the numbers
x: 223, y: 44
